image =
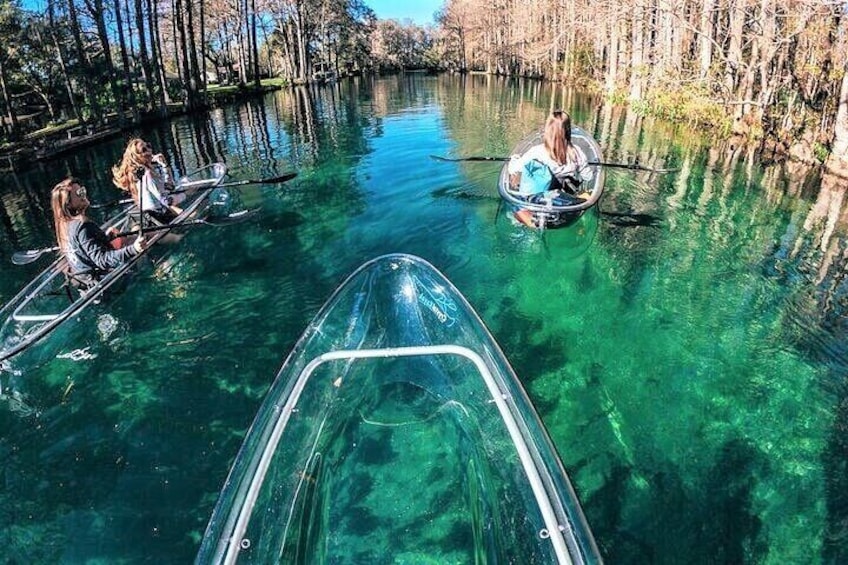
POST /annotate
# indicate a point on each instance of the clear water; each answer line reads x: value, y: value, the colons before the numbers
x: 684, y: 346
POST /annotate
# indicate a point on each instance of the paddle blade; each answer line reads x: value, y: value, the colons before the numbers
x: 282, y: 178
x: 450, y: 159
x: 632, y: 167
x: 112, y: 203
x: 234, y: 218
x: 274, y: 180
x: 27, y: 257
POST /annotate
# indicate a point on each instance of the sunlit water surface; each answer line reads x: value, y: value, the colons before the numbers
x: 683, y: 344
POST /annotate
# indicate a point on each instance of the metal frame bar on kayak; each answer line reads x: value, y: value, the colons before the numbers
x: 554, y: 528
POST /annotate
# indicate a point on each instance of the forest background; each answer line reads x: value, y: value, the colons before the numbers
x: 769, y: 72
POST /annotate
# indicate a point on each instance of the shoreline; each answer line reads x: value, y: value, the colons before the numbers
x: 20, y: 155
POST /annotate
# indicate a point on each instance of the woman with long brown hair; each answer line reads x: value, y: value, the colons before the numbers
x: 147, y: 178
x: 88, y: 248
x: 565, y: 162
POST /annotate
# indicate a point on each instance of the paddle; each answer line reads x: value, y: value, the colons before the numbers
x: 273, y: 180
x: 27, y: 257
x: 593, y: 163
x: 112, y: 203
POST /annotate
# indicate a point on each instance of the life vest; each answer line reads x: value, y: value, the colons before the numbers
x: 536, y: 177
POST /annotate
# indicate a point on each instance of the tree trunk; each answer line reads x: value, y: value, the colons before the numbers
x: 245, y: 64
x: 271, y: 69
x: 254, y: 43
x: 570, y: 41
x: 182, y: 43
x: 705, y: 38
x: 203, y: 68
x: 768, y: 48
x: 241, y: 51
x: 157, y: 62
x: 129, y: 82
x: 143, y: 54
x: 85, y: 67
x: 838, y: 159
x: 14, y: 129
x: 60, y: 55
x: 194, y: 68
x: 637, y: 60
x: 664, y: 39
x: 131, y: 31
x: 610, y: 82
x: 302, y: 62
x: 98, y: 13
x: 733, y: 63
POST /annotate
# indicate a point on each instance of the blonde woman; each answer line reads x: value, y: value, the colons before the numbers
x: 147, y: 178
x: 88, y: 249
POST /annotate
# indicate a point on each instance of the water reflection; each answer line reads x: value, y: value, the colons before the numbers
x: 684, y: 345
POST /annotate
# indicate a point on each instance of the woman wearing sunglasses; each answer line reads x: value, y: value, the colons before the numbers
x: 147, y: 178
x: 89, y: 250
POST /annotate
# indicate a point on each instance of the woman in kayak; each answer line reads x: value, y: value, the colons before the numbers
x: 88, y: 249
x: 554, y: 169
x: 147, y: 178
x: 566, y: 162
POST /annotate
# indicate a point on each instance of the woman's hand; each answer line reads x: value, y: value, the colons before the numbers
x: 514, y: 165
x: 140, y: 244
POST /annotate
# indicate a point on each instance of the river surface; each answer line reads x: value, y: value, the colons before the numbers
x: 683, y: 344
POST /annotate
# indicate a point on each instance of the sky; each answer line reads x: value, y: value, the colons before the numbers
x: 419, y: 11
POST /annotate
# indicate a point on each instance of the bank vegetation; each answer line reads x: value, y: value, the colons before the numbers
x: 771, y: 72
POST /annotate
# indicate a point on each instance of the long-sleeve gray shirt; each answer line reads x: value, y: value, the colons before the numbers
x: 90, y: 250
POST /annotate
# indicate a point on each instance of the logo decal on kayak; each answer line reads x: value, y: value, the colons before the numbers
x: 437, y: 302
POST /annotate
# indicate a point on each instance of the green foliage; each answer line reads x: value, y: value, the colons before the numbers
x: 821, y: 152
x: 277, y: 82
x: 689, y: 105
x: 618, y: 97
x: 403, y: 46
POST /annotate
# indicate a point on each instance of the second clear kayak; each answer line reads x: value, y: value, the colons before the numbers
x: 564, y: 209
x: 396, y: 431
x: 48, y: 301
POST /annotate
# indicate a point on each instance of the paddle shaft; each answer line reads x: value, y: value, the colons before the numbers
x: 592, y: 163
x: 273, y: 180
x: 27, y: 257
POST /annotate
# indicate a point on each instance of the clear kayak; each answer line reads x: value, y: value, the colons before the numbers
x: 48, y: 301
x: 548, y: 212
x: 396, y: 431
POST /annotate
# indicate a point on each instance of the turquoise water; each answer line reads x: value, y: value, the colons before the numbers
x: 683, y: 344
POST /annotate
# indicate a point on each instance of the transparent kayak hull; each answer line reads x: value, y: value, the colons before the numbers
x: 397, y: 431
x: 547, y: 214
x: 46, y: 302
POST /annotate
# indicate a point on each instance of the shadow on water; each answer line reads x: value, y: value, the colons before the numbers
x: 618, y: 219
x: 814, y: 261
x: 631, y: 219
x: 716, y: 513
x: 835, y: 461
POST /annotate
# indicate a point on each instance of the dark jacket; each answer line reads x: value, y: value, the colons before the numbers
x: 91, y: 252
